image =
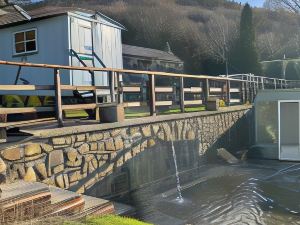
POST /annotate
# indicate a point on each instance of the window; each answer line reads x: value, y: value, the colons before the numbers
x: 25, y: 42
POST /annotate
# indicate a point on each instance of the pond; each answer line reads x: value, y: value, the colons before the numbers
x: 252, y: 192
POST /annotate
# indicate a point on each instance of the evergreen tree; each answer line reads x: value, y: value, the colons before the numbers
x: 245, y: 57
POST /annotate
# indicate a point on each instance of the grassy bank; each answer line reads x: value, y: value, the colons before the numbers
x: 97, y: 220
x: 107, y: 220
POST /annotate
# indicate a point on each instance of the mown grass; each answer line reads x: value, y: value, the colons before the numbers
x: 136, y: 114
x: 95, y: 220
x: 108, y: 220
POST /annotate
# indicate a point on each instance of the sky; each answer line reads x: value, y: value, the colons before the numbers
x: 257, y: 3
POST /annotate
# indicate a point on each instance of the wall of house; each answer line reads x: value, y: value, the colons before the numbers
x: 54, y: 42
x: 103, y: 39
x: 138, y: 63
x: 52, y: 35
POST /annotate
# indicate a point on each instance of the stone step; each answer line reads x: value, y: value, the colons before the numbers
x: 124, y: 210
x: 95, y: 206
x: 65, y: 203
x: 22, y: 201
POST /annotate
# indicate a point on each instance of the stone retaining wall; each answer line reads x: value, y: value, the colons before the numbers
x: 79, y: 160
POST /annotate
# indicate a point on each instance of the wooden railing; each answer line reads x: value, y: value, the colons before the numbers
x: 233, y: 90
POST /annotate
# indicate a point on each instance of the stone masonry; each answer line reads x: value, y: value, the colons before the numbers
x: 79, y: 160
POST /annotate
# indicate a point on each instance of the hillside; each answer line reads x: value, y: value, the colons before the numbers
x: 196, y: 29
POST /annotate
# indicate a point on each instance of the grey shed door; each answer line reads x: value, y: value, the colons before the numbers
x: 82, y: 44
x: 289, y: 142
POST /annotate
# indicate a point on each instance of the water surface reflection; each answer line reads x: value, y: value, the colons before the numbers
x: 256, y: 192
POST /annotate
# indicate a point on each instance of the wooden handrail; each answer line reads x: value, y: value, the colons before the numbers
x: 25, y: 87
x: 113, y: 70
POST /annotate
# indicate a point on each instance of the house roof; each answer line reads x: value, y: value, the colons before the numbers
x: 136, y: 51
x: 14, y: 17
x: 2, y: 3
x: 10, y: 12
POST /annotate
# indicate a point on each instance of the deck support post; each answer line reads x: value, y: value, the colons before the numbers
x: 152, y: 96
x: 58, y: 106
x: 181, y: 86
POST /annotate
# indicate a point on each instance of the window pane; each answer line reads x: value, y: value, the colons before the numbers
x: 30, y: 35
x: 30, y: 46
x: 20, y: 48
x: 19, y: 37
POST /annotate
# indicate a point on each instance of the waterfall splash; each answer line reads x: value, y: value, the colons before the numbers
x: 179, y: 198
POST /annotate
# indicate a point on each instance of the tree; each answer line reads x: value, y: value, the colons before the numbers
x: 245, y: 56
x: 269, y: 46
x: 291, y: 5
x: 221, y: 33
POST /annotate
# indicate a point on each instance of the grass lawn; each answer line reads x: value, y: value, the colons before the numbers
x: 135, y: 114
x: 130, y: 114
x: 108, y: 220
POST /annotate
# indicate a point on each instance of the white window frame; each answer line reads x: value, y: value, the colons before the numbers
x: 25, y: 41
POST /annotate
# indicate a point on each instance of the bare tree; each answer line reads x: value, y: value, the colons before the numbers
x: 291, y: 5
x: 268, y: 45
x: 220, y: 35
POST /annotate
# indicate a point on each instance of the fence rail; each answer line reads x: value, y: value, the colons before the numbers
x: 186, y: 90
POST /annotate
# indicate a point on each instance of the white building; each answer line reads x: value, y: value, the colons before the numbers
x: 62, y: 36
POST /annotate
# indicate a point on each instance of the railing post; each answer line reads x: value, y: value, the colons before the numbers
x: 251, y: 88
x: 97, y: 111
x: 243, y: 92
x: 228, y: 92
x: 254, y: 88
x: 206, y: 90
x: 181, y: 86
x: 3, y: 134
x: 152, y: 96
x: 120, y: 88
x: 58, y: 108
x: 262, y: 83
x: 275, y: 85
x: 248, y: 88
x: 112, y: 86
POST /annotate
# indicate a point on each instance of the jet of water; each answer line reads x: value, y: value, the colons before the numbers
x: 177, y: 174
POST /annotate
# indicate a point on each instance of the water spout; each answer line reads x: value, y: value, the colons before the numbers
x: 180, y: 199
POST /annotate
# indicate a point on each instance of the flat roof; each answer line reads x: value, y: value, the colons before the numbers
x: 136, y: 51
x: 278, y: 95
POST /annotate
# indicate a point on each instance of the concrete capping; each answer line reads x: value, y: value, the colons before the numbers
x: 55, y: 132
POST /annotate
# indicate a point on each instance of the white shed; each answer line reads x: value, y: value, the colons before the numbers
x: 62, y: 36
x: 277, y: 125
